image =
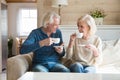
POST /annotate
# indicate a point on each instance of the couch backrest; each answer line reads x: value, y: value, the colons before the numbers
x: 105, y: 32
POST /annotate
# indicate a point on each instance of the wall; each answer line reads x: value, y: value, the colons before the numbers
x: 3, y: 1
x: 77, y: 8
x: 12, y: 18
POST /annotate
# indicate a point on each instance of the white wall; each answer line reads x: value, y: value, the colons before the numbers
x: 12, y: 18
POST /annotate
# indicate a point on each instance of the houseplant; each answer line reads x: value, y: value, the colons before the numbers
x: 98, y: 15
x: 10, y: 45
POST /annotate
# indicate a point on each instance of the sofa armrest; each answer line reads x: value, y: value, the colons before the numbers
x: 18, y: 65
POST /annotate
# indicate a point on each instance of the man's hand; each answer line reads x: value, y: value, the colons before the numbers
x: 46, y: 42
x: 59, y: 49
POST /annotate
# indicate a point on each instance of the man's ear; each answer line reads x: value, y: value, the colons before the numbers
x: 47, y: 25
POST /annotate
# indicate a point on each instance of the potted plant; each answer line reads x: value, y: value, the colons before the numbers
x: 98, y: 15
x: 10, y: 45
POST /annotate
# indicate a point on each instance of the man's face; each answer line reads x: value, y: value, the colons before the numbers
x: 54, y: 26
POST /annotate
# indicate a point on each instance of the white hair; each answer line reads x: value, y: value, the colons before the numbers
x: 91, y: 23
x: 49, y: 18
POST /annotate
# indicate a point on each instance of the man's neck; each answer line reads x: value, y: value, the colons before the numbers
x: 45, y: 30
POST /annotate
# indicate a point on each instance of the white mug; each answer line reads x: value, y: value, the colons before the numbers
x: 56, y: 40
x: 79, y: 35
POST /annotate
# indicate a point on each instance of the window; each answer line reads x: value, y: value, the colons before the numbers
x: 27, y: 21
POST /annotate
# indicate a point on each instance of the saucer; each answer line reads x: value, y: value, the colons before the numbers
x: 82, y: 45
x: 58, y: 46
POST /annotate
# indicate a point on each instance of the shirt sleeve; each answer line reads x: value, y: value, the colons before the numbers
x: 69, y: 53
x: 30, y: 44
x: 61, y: 42
x: 99, y: 59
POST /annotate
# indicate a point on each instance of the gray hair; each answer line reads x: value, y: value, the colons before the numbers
x: 90, y: 22
x: 49, y: 18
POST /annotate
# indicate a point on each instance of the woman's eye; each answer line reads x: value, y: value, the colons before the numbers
x: 81, y: 26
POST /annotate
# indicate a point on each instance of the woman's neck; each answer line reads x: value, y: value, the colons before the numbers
x: 86, y: 37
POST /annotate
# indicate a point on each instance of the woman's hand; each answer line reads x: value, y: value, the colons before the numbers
x: 72, y: 39
x: 93, y: 48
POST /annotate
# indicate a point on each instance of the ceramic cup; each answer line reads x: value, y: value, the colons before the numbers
x: 56, y: 40
x: 79, y: 35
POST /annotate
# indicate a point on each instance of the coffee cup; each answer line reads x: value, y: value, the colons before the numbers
x: 56, y: 40
x: 79, y: 35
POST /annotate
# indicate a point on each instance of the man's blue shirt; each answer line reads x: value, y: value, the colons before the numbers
x: 45, y: 53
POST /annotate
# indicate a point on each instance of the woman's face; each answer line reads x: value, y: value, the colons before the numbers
x: 83, y: 28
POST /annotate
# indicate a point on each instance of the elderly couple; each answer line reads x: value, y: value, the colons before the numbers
x: 46, y: 57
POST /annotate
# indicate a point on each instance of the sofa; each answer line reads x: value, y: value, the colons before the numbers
x: 20, y: 64
x: 111, y: 57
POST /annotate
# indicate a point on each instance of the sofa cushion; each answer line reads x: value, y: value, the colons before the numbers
x: 111, y: 51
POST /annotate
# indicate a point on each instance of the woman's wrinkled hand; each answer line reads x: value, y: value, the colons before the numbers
x: 72, y: 37
x: 93, y: 48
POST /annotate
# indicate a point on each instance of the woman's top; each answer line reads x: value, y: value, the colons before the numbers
x: 85, y: 56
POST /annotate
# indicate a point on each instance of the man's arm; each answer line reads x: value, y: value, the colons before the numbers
x: 29, y: 45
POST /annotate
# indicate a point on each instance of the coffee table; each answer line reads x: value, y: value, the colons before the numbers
x: 68, y: 76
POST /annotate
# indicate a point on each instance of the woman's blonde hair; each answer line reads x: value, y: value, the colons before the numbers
x: 49, y: 18
x: 90, y: 22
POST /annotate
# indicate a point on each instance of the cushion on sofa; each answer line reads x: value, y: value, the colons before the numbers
x: 111, y: 57
x: 111, y: 51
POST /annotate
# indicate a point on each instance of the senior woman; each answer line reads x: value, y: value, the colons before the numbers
x: 85, y: 53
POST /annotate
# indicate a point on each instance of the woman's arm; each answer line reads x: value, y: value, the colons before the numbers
x: 70, y: 46
x: 98, y: 59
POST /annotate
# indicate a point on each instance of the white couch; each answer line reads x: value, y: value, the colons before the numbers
x: 111, y: 57
x: 18, y: 65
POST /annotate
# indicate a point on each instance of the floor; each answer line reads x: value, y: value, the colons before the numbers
x: 3, y: 76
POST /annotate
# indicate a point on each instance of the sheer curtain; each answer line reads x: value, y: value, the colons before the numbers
x: 27, y: 21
